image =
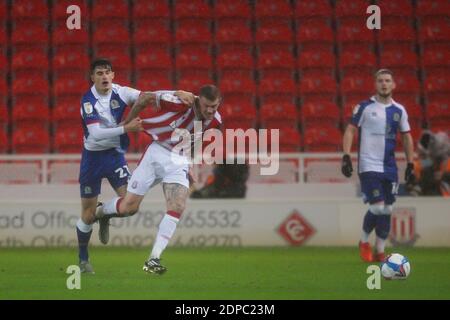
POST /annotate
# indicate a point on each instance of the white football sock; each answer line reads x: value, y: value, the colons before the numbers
x: 110, y: 207
x: 165, y: 232
x: 364, y: 236
x: 83, y: 227
x: 380, y: 244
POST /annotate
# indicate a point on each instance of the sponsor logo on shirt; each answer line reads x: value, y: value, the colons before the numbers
x: 88, y: 107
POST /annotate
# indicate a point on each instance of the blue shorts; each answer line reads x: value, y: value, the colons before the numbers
x: 378, y: 186
x: 96, y: 165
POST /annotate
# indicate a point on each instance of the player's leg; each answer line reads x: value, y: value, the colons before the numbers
x: 176, y: 196
x: 117, y: 175
x: 383, y: 227
x: 90, y: 185
x: 372, y: 192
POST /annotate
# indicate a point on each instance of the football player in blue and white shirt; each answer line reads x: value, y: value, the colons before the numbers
x: 378, y: 120
x: 105, y: 142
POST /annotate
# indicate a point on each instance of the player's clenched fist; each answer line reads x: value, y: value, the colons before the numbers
x: 347, y: 167
x: 134, y: 125
x: 409, y: 173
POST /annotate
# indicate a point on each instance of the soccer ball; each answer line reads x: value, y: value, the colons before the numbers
x: 396, y: 266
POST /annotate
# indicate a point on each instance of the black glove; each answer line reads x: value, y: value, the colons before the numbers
x: 347, y: 167
x: 409, y: 173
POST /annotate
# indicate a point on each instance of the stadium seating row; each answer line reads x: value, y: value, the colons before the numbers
x: 280, y: 63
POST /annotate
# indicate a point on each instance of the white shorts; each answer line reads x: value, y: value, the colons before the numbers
x: 158, y: 165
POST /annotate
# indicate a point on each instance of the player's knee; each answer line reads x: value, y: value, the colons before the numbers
x: 377, y: 208
x: 177, y: 207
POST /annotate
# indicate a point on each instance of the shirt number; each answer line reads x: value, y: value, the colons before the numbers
x: 123, y: 171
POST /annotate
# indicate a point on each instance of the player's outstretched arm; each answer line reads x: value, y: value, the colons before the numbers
x: 145, y: 99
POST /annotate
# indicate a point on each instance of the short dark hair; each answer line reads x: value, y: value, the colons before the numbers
x: 210, y: 92
x: 384, y: 71
x: 101, y: 62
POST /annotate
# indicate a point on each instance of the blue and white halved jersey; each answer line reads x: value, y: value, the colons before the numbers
x: 107, y: 110
x: 378, y: 125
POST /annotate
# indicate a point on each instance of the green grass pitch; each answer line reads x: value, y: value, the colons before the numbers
x: 220, y: 273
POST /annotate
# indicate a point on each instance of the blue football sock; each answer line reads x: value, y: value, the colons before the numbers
x: 370, y: 222
x: 83, y: 241
x: 383, y: 226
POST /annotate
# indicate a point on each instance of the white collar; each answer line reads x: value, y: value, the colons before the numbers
x: 98, y: 96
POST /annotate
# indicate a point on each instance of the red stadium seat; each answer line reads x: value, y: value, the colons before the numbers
x: 3, y: 63
x: 351, y: 8
x: 30, y: 140
x: 68, y: 140
x: 314, y: 32
x: 59, y: 9
x: 66, y: 111
x: 70, y: 60
x: 64, y: 36
x: 113, y: 34
x: 356, y: 59
x: 4, y: 142
x: 316, y: 113
x: 151, y: 9
x: 29, y: 36
x: 3, y: 88
x: 395, y: 32
x: 152, y: 32
x: 30, y: 86
x: 354, y: 30
x: 232, y: 9
x: 438, y: 111
x: 406, y: 83
x: 3, y: 10
x: 29, y: 113
x: 154, y: 59
x: 435, y: 30
x: 276, y: 60
x: 29, y: 9
x: 193, y: 58
x: 290, y: 140
x: 233, y: 31
x: 276, y: 115
x: 237, y: 85
x: 270, y: 8
x: 274, y: 33
x: 316, y: 59
x: 154, y: 83
x: 235, y: 60
x: 317, y: 83
x: 270, y: 85
x: 322, y: 139
x: 432, y: 8
x: 192, y: 9
x: 193, y: 83
x: 118, y: 60
x: 29, y: 60
x: 359, y: 83
x: 392, y: 59
x: 437, y: 83
x: 4, y: 118
x: 398, y: 8
x: 109, y: 9
x: 238, y: 115
x: 436, y: 57
x: 70, y: 86
x: 193, y: 31
x: 318, y: 8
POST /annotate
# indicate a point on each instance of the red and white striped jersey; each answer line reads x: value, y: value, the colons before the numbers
x: 173, y: 114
